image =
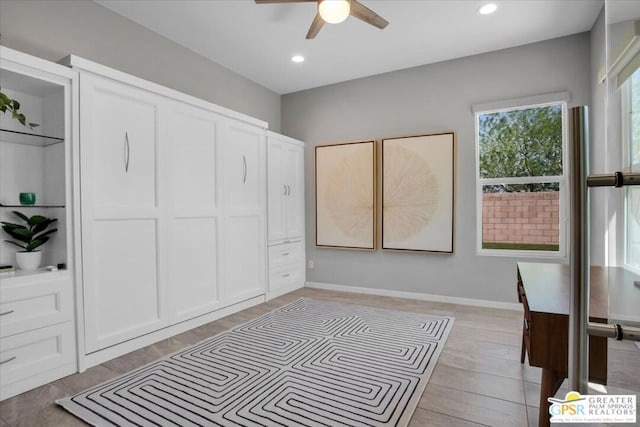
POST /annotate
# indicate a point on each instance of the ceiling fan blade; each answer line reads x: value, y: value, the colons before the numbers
x: 367, y: 15
x: 315, y: 27
x: 284, y: 1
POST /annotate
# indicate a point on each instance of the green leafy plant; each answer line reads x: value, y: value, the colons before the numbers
x: 31, y: 235
x: 13, y: 106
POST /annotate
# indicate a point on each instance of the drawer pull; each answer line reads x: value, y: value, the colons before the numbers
x: 7, y: 361
x: 285, y: 254
x: 285, y: 275
x: 6, y: 312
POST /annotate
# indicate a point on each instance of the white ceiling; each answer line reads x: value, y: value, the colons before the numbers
x: 257, y: 41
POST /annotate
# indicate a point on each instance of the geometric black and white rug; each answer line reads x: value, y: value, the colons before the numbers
x: 309, y: 363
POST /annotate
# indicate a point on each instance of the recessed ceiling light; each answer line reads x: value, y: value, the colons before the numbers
x: 488, y: 9
x: 297, y: 58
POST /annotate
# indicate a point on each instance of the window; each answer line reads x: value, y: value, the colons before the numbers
x: 522, y: 180
x: 631, y: 138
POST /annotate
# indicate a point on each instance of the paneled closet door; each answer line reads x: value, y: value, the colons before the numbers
x: 194, y: 214
x: 244, y: 166
x: 120, y: 213
x: 295, y: 195
x: 277, y: 189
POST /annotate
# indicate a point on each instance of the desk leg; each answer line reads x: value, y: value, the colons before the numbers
x: 550, y: 384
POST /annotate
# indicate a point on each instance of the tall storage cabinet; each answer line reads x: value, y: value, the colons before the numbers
x: 37, y: 318
x: 245, y: 211
x: 120, y: 212
x: 285, y: 165
x: 194, y: 210
x: 173, y: 211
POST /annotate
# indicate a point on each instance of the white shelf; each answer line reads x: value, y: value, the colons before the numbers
x: 28, y: 138
x: 22, y: 276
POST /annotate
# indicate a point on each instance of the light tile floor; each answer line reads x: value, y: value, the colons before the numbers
x: 478, y: 379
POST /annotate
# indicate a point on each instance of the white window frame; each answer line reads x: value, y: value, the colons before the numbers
x: 625, y: 110
x: 563, y: 233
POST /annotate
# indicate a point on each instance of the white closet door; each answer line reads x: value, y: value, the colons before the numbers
x: 244, y: 165
x: 120, y: 215
x: 123, y: 144
x: 122, y: 301
x: 244, y: 254
x: 295, y: 196
x: 193, y: 211
x: 277, y: 189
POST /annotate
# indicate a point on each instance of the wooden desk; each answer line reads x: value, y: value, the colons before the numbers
x: 544, y: 291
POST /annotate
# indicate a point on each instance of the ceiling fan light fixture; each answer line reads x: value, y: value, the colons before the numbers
x: 334, y: 11
x: 487, y: 9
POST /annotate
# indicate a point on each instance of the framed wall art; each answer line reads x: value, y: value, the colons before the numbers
x: 346, y: 195
x: 418, y: 184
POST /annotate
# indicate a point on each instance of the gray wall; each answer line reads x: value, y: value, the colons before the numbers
x: 53, y: 29
x: 426, y: 99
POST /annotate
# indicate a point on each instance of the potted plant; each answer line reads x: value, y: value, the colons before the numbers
x: 30, y: 236
x: 13, y: 106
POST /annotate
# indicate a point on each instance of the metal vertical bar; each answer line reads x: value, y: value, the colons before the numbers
x: 578, y: 362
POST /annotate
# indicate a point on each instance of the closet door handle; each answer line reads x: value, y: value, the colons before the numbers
x: 6, y: 312
x: 244, y: 169
x: 285, y: 189
x: 8, y: 360
x: 127, y: 152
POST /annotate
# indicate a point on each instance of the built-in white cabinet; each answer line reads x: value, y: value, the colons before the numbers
x: 286, y: 187
x: 194, y: 210
x: 286, y: 255
x: 173, y: 202
x: 244, y: 167
x: 119, y: 168
x: 37, y: 317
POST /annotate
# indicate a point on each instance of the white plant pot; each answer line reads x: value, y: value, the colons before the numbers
x: 28, y: 260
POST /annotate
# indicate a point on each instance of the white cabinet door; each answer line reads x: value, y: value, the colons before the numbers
x: 122, y: 277
x: 277, y: 189
x: 244, y: 157
x: 285, y: 188
x: 122, y: 299
x: 295, y: 195
x: 193, y: 211
x: 244, y: 183
x: 245, y: 258
x: 122, y: 149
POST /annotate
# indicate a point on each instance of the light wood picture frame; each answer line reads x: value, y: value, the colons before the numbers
x: 418, y: 193
x: 346, y: 195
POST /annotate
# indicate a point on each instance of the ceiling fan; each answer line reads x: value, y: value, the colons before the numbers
x: 336, y: 11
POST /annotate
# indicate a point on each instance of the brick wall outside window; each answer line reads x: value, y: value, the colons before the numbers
x: 521, y: 217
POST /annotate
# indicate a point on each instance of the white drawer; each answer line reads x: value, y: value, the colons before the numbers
x: 31, y: 305
x: 285, y: 254
x: 33, y: 353
x: 286, y: 276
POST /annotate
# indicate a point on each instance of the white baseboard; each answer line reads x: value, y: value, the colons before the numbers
x: 417, y: 296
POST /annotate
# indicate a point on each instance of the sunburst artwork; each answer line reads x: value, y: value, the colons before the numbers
x: 345, y: 195
x: 418, y: 193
